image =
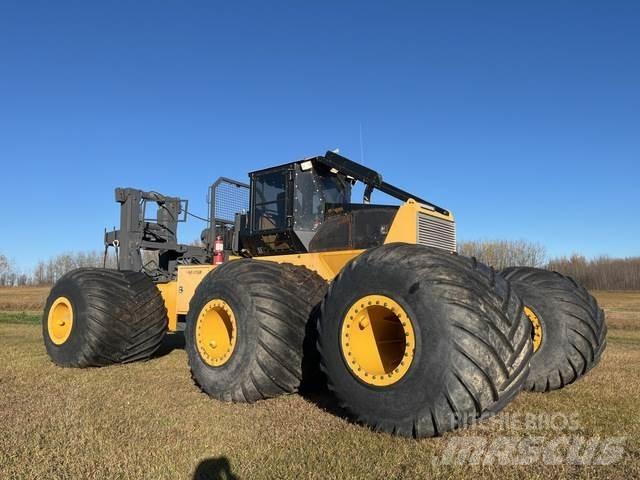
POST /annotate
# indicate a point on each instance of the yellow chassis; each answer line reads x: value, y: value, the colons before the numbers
x: 177, y: 293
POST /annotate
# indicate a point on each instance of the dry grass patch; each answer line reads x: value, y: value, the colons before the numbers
x: 622, y: 308
x: 23, y: 298
x: 148, y: 420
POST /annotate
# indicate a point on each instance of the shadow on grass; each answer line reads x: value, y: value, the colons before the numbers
x: 214, y: 469
x: 313, y: 387
x: 316, y: 392
x: 171, y: 341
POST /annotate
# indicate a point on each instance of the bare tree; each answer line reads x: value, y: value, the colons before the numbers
x: 50, y: 271
x: 505, y: 253
x: 39, y: 276
x: 7, y: 272
x: 4, y: 263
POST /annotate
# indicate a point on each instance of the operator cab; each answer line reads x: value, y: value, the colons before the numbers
x: 305, y: 206
x: 294, y: 196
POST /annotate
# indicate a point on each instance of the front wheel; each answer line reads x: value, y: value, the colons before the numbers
x: 416, y: 341
x: 246, y: 329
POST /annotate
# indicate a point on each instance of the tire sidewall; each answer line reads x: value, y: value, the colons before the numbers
x: 216, y: 379
x: 406, y: 396
x: 571, y: 324
x: 68, y: 352
x: 553, y: 350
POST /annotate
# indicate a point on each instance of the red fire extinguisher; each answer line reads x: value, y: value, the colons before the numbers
x: 218, y: 251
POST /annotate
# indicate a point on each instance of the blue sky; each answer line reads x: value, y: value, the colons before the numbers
x: 523, y: 118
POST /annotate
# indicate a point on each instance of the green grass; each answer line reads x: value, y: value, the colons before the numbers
x: 20, y: 317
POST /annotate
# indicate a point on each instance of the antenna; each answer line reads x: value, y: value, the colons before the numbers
x: 361, y: 146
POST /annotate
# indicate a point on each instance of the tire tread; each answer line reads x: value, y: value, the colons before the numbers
x: 584, y: 334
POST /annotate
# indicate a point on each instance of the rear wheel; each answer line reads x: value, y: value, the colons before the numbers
x: 569, y: 327
x: 416, y: 341
x: 97, y: 317
x: 246, y: 329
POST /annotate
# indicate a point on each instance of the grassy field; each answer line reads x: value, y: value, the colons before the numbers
x: 148, y: 420
x: 23, y: 298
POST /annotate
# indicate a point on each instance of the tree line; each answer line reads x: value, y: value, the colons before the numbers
x: 505, y: 253
x: 47, y: 272
x: 601, y: 273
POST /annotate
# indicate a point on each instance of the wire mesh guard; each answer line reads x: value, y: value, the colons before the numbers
x: 228, y: 198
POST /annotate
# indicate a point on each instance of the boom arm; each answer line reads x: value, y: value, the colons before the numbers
x: 371, y: 179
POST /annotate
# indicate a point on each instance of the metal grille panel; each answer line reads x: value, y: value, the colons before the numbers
x: 229, y: 197
x: 436, y: 232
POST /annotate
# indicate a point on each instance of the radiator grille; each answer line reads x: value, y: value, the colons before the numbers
x: 436, y: 232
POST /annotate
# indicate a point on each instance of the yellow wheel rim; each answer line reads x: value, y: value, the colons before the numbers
x: 537, y: 328
x: 60, y: 320
x: 378, y: 342
x: 216, y: 333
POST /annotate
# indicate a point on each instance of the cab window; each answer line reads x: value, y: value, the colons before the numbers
x: 269, y: 202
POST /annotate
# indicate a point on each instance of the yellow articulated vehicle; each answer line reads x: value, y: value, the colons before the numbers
x: 294, y: 285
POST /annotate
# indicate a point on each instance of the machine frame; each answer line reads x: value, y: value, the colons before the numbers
x: 181, y: 267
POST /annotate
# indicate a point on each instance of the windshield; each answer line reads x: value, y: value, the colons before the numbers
x: 315, y: 190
